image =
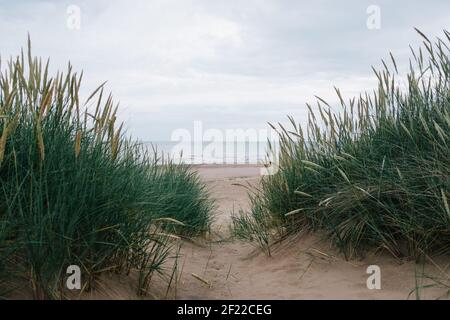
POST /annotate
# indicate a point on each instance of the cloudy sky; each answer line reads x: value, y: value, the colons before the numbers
x: 231, y: 64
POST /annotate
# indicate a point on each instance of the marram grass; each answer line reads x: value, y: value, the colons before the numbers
x: 374, y: 174
x: 75, y: 191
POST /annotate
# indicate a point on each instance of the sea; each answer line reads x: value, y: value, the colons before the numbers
x: 216, y: 152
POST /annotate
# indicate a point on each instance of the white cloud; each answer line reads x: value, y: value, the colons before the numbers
x: 228, y: 63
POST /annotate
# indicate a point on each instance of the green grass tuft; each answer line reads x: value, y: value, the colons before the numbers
x: 75, y: 191
x: 374, y: 173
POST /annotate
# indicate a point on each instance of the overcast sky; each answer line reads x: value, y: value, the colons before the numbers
x: 231, y: 64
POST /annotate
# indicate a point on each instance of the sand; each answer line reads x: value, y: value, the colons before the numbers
x: 305, y: 267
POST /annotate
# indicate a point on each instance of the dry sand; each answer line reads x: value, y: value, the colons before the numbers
x: 302, y: 268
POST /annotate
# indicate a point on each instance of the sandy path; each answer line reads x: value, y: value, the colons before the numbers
x: 304, y: 268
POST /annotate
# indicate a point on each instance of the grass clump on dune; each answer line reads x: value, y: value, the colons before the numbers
x: 373, y: 174
x: 179, y: 194
x: 75, y: 191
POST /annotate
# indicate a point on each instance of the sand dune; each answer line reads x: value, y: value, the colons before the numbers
x: 302, y: 268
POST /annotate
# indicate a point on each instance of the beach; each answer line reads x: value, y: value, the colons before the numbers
x: 301, y: 267
x: 304, y: 267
